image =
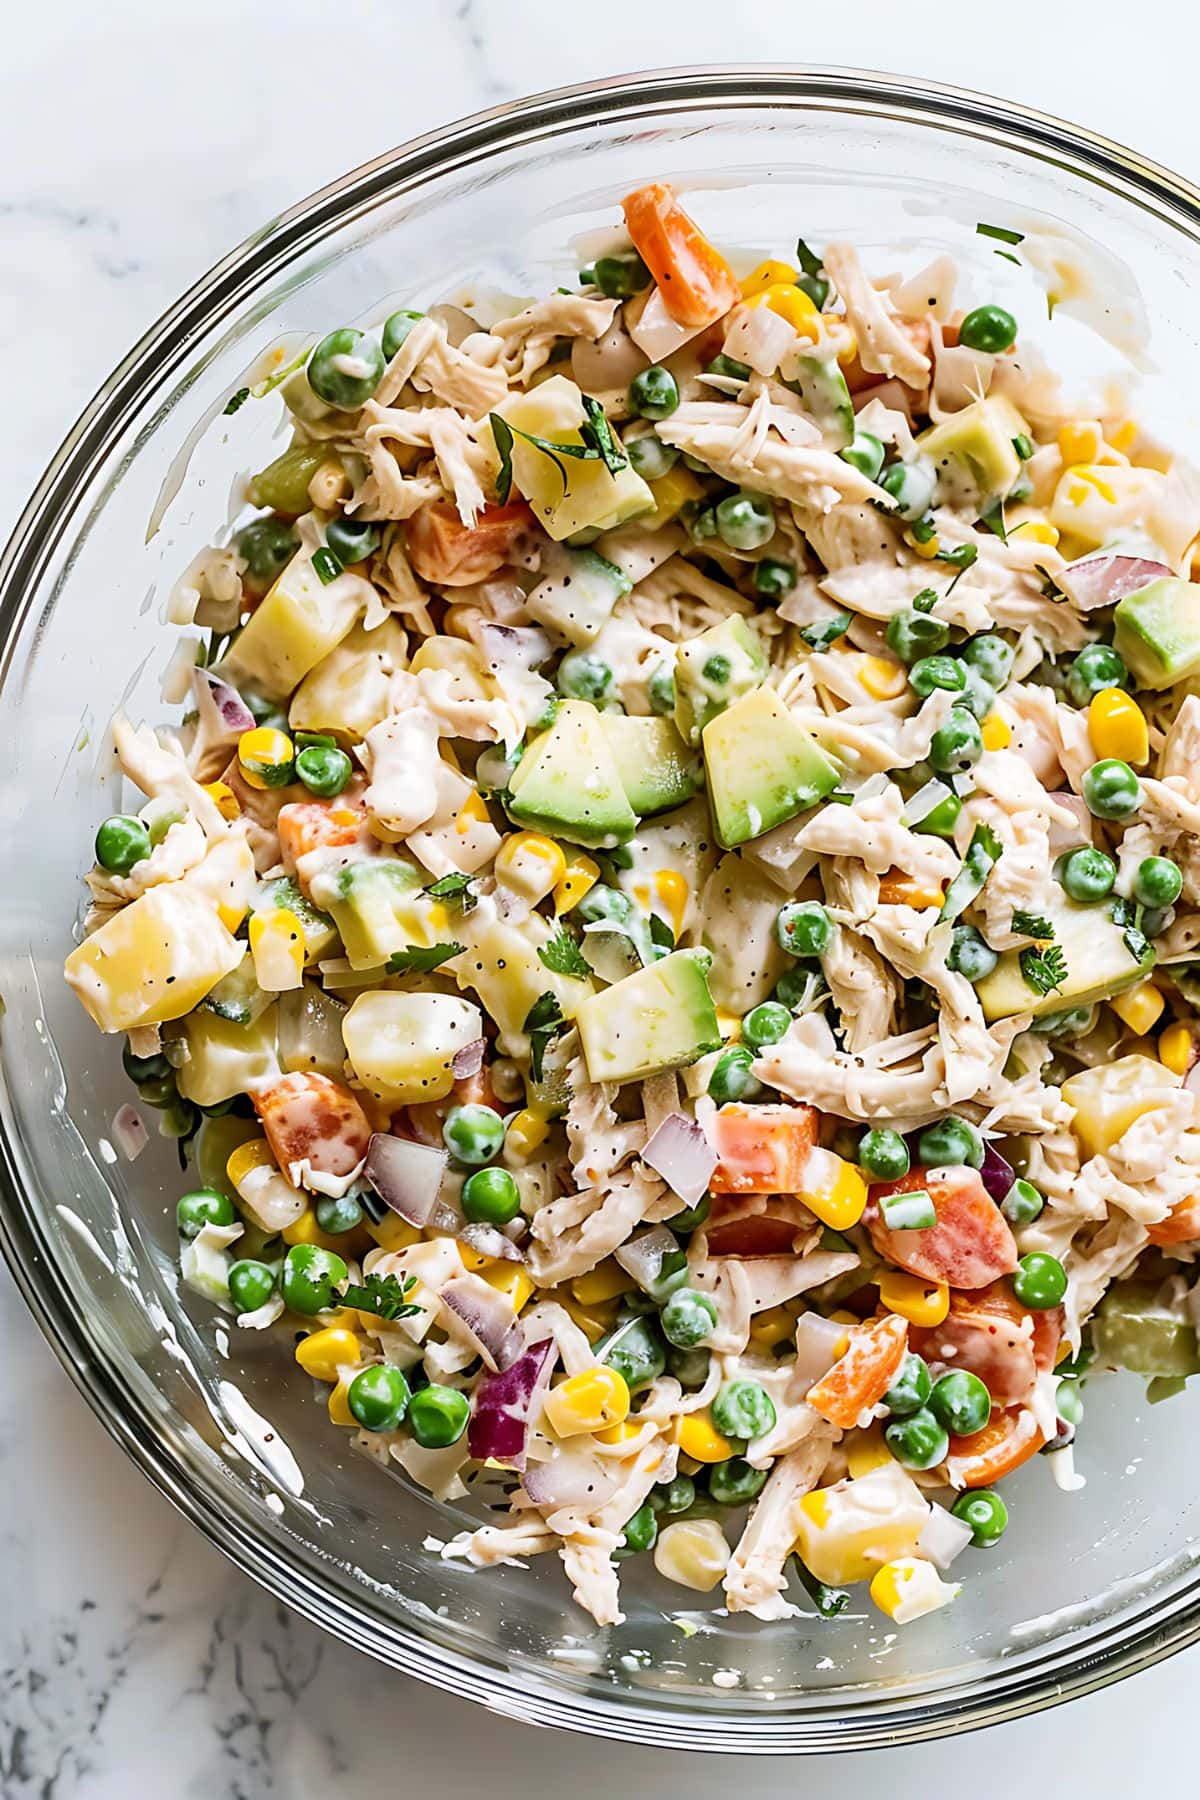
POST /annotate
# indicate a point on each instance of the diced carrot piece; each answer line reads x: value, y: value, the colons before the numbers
x: 1008, y: 1439
x: 308, y: 1116
x: 1181, y: 1225
x: 762, y: 1149
x: 444, y: 550
x: 305, y: 825
x: 992, y: 1335
x: 696, y: 283
x: 860, y: 1378
x: 971, y: 1244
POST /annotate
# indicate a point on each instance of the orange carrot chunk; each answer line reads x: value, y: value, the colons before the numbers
x: 696, y: 283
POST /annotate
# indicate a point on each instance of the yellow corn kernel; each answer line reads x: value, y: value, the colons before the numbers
x: 1080, y: 442
x: 339, y: 1405
x: 996, y: 732
x: 1028, y: 523
x: 1124, y: 435
x: 927, y: 550
x: 1177, y: 1049
x: 277, y: 947
x: 672, y: 492
x: 527, y: 1132
x: 729, y: 1024
x: 909, y: 1587
x: 1140, y: 1007
x: 834, y: 1190
x: 263, y: 753
x: 693, y: 1553
x: 393, y: 1232
x: 590, y: 1401
x: 866, y: 1450
x: 769, y: 274
x: 323, y: 1352
x: 226, y: 799
x: 622, y: 1433
x: 581, y: 874
x: 699, y: 1438
x: 1090, y: 477
x: 772, y: 1327
x: 509, y: 1278
x: 843, y: 336
x: 790, y: 303
x: 920, y: 1302
x: 595, y: 1321
x: 818, y: 1507
x: 607, y: 1281
x: 672, y: 889
x: 903, y: 890
x: 305, y: 1230
x: 257, y: 1154
x: 473, y: 811
x: 530, y: 864
x: 882, y: 679
x: 1117, y: 726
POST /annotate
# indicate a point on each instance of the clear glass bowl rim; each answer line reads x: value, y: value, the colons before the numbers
x: 1060, y: 1672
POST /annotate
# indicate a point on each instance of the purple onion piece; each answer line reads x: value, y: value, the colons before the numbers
x: 231, y: 710
x: 489, y: 1240
x: 996, y: 1175
x: 406, y: 1176
x: 468, y: 1060
x: 505, y: 1403
x: 682, y: 1155
x: 1096, y: 581
x: 487, y: 1317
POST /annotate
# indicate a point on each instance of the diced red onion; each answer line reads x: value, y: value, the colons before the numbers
x: 406, y: 1176
x: 1069, y: 837
x: 222, y: 702
x: 642, y: 1256
x: 488, y: 1240
x: 129, y: 1132
x: 761, y: 338
x: 819, y: 1343
x: 572, y: 1478
x: 504, y: 1405
x: 468, y: 1060
x: 943, y: 1537
x: 1103, y: 580
x: 487, y: 1317
x: 514, y: 646
x: 679, y: 1151
x: 996, y: 1175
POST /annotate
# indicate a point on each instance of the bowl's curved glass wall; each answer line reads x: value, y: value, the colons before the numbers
x: 1084, y: 1584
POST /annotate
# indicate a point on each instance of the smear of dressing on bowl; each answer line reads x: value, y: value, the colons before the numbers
x: 259, y: 1441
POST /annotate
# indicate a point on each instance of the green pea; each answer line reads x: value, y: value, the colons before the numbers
x: 251, y: 1285
x: 352, y: 540
x: 636, y: 1351
x: 792, y: 986
x: 765, y: 1024
x: 803, y: 928
x: 582, y: 676
x: 1068, y: 1402
x: 345, y: 369
x: 733, y: 1076
x: 774, y: 579
x: 491, y: 1197
x: 653, y: 393
x: 743, y: 1409
x: 948, y: 1143
x: 988, y: 328
x: 141, y: 1069
x: 957, y: 745
x: 323, y: 770
x: 1157, y: 882
x: 745, y: 521
x: 203, y: 1206
x: 618, y: 277
x: 865, y: 453
x: 700, y: 522
x: 937, y: 672
x: 674, y: 1496
x: 991, y: 656
x: 912, y: 1387
x: 1022, y: 1203
x: 942, y: 820
x: 266, y: 546
x: 1097, y: 666
x: 883, y: 1153
x: 970, y: 954
x: 121, y: 842
x: 918, y: 1441
x: 310, y: 1277
x: 379, y: 1397
x: 690, y: 1218
x: 1087, y: 874
x: 473, y: 1134
x: 648, y: 456
x: 985, y: 1513
x: 603, y: 902
x: 336, y: 1216
x: 689, y: 1367
x: 159, y: 1090
x: 1111, y: 789
x: 732, y: 370
x: 735, y: 1483
x: 978, y: 696
x: 688, y: 1318
x: 911, y: 486
x: 1039, y: 1281
x: 437, y: 1416
x: 717, y: 669
x: 640, y: 1531
x: 660, y: 691
x: 396, y: 328
x: 961, y: 1402
x: 913, y: 635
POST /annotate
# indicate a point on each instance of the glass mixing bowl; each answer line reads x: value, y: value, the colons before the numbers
x: 1086, y: 1586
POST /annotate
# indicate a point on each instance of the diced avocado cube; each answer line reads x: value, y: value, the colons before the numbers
x: 973, y: 452
x: 577, y: 593
x: 825, y: 397
x: 379, y: 908
x: 568, y: 784
x: 1099, y: 965
x: 657, y: 769
x: 237, y: 996
x: 762, y: 768
x: 712, y: 670
x: 661, y: 1018
x: 1158, y: 632
x: 567, y: 494
x: 224, y: 1057
x: 320, y: 932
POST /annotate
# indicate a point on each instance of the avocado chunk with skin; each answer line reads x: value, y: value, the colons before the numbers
x: 712, y: 670
x: 661, y: 1018
x: 1157, y: 631
x: 379, y: 907
x: 657, y: 769
x: 762, y: 768
x: 1099, y: 965
x: 973, y: 452
x: 568, y: 783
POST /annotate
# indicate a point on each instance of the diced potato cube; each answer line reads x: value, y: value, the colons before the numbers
x: 296, y: 626
x: 845, y: 1532
x: 401, y: 1046
x: 349, y: 690
x: 154, y: 960
x: 224, y: 1057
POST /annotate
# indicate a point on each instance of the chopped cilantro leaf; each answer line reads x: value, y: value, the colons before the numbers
x: 562, y: 956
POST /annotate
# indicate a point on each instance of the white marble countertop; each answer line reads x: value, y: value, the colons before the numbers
x: 137, y: 143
